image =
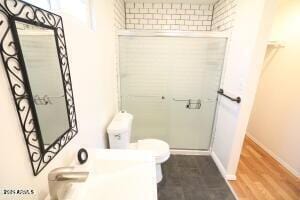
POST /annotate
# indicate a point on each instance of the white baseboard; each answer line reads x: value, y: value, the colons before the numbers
x: 189, y: 152
x: 232, y: 190
x: 276, y: 157
x: 230, y: 177
x: 227, y: 177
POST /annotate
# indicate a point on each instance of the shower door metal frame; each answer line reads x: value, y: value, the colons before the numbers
x: 186, y: 34
x: 192, y: 34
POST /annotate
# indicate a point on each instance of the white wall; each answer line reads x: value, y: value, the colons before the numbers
x: 275, y: 116
x: 119, y: 14
x: 245, y: 56
x: 119, y: 24
x: 91, y: 56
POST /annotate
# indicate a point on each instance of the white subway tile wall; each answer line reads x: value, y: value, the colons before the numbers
x: 223, y: 15
x: 169, y: 16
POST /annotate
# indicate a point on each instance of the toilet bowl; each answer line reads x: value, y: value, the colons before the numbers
x: 119, y: 131
x: 159, y: 149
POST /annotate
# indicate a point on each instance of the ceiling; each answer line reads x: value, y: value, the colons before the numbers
x: 175, y: 1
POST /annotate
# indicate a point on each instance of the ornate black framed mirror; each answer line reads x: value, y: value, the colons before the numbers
x: 34, y: 54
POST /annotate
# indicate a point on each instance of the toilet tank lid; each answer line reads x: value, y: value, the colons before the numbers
x: 121, y: 123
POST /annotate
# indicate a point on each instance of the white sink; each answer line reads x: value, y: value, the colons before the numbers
x: 115, y: 175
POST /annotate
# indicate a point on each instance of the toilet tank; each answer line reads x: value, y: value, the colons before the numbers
x: 119, y: 130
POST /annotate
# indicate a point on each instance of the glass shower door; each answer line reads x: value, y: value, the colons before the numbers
x: 170, y: 86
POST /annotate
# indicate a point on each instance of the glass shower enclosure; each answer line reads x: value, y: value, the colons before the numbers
x: 169, y: 84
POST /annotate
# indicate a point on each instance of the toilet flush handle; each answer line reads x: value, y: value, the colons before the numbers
x: 118, y: 136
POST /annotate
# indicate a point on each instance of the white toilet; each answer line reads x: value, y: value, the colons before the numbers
x: 119, y: 131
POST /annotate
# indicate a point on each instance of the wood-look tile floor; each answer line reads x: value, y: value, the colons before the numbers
x: 260, y: 177
x: 192, y: 178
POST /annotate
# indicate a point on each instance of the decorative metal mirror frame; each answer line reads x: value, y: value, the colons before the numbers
x: 11, y: 53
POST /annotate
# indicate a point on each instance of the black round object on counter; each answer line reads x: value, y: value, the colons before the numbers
x: 82, y: 155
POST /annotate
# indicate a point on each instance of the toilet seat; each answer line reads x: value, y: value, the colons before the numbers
x: 159, y: 148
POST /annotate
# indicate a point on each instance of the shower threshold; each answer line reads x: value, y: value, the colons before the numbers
x: 190, y: 152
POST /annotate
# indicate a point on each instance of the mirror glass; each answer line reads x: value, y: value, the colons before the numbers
x: 44, y: 73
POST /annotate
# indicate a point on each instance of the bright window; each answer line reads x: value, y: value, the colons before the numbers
x: 77, y: 8
x: 45, y: 4
x: 80, y: 9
